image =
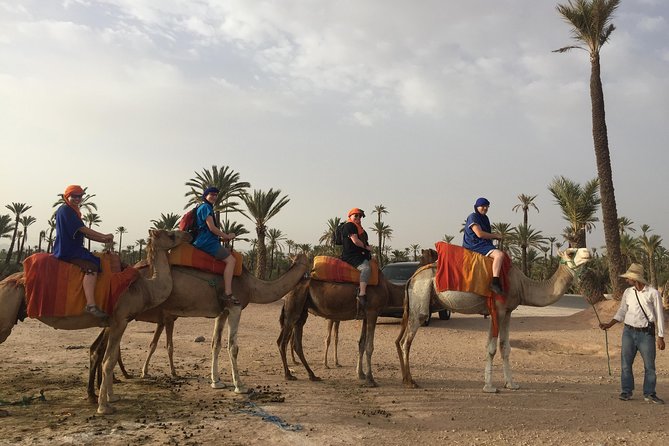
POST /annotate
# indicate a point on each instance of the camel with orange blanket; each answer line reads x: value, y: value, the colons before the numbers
x: 521, y: 290
x: 142, y: 294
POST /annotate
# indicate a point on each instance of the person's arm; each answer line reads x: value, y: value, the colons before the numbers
x: 480, y: 233
x: 357, y: 242
x: 95, y: 235
x: 606, y: 326
x: 619, y: 316
x: 214, y: 230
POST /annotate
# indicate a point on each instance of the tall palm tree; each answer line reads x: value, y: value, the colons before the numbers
x: 414, y: 248
x: 629, y: 247
x: 385, y: 233
x: 327, y: 238
x: 274, y: 238
x: 228, y: 184
x: 526, y: 202
x: 120, y: 231
x: 141, y: 243
x: 591, y: 27
x: 18, y: 209
x: 91, y: 218
x: 26, y: 221
x: 42, y: 236
x: 6, y: 226
x: 262, y: 206
x: 579, y: 205
x: 232, y: 227
x: 624, y: 225
x: 379, y: 209
x: 506, y: 231
x: 168, y: 222
x: 650, y: 245
x: 526, y: 237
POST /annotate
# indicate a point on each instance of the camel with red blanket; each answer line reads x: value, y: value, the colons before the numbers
x: 520, y: 289
x: 142, y: 294
x: 194, y: 295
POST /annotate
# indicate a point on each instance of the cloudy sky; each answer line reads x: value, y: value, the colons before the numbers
x: 421, y: 106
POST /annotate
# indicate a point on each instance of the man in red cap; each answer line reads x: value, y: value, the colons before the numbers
x: 69, y: 244
x: 357, y: 252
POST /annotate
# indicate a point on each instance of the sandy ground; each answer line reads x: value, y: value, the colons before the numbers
x: 566, y: 394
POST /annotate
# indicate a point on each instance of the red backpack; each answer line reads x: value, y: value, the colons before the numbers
x: 187, y: 223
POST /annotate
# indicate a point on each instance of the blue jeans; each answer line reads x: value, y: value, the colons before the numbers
x: 644, y: 343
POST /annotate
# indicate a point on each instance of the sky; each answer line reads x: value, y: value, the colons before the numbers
x: 421, y: 106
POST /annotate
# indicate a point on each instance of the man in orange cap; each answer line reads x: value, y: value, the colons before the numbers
x: 357, y: 252
x: 69, y: 244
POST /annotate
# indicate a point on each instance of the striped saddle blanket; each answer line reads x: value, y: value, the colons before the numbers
x: 188, y: 255
x: 54, y: 288
x: 333, y: 269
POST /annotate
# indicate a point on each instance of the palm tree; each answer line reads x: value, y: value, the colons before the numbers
x: 385, y: 233
x: 591, y: 26
x: 52, y: 227
x: 232, y: 227
x: 448, y: 238
x: 327, y: 238
x: 262, y: 206
x: 120, y: 231
x: 579, y: 205
x: 629, y: 247
x: 226, y: 180
x: 91, y: 219
x: 624, y: 225
x: 17, y: 209
x: 415, y: 249
x: 26, y: 221
x: 525, y: 237
x: 506, y: 231
x: 378, y: 210
x: 42, y: 236
x: 526, y: 202
x: 6, y: 226
x: 650, y: 245
x: 141, y: 242
x: 168, y: 222
x: 275, y: 236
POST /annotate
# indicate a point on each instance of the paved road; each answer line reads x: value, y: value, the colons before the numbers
x: 568, y: 305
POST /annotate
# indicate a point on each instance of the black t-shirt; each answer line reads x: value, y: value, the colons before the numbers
x: 352, y: 253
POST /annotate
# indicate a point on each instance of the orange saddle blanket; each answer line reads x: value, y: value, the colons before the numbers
x: 459, y: 269
x: 54, y: 288
x: 188, y: 255
x: 333, y: 269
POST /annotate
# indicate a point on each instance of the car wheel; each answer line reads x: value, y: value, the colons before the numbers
x: 445, y: 315
x: 427, y: 321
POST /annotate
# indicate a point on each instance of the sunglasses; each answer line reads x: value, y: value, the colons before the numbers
x: 76, y: 195
x: 357, y: 216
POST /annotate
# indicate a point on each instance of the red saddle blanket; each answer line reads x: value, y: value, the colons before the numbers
x: 188, y: 255
x: 333, y: 269
x: 459, y: 269
x: 54, y: 288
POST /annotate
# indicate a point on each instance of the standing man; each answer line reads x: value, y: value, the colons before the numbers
x: 641, y: 311
x: 356, y: 251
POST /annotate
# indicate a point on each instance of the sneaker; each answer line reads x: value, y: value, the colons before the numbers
x: 95, y: 311
x: 625, y: 396
x: 496, y: 289
x: 225, y: 299
x: 653, y: 399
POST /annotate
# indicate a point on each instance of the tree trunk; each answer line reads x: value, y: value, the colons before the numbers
x: 11, y: 245
x: 606, y: 190
x: 261, y: 257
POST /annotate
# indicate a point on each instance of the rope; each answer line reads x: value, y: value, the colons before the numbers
x: 253, y: 409
x: 606, y: 338
x: 24, y: 401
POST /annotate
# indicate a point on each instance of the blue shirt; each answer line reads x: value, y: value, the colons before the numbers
x: 205, y: 240
x: 69, y: 243
x: 472, y: 241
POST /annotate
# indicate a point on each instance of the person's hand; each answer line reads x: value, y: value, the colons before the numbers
x: 604, y: 326
x: 660, y: 343
x: 108, y: 238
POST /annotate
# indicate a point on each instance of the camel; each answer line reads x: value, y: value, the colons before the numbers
x: 336, y: 302
x: 194, y: 296
x: 420, y: 291
x: 143, y: 293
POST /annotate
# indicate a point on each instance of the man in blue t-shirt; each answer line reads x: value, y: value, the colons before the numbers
x: 478, y: 237
x: 209, y: 240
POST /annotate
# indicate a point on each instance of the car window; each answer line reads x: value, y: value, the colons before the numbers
x: 399, y: 272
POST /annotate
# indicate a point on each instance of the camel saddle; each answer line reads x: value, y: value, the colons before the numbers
x: 188, y: 255
x: 459, y: 269
x: 333, y: 269
x: 54, y: 288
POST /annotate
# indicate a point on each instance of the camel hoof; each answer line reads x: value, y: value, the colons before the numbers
x: 371, y: 383
x: 314, y: 378
x: 291, y: 378
x: 337, y: 365
x: 145, y: 376
x: 93, y: 399
x: 218, y: 385
x: 512, y: 386
x: 114, y: 398
x: 241, y: 390
x: 105, y: 410
x: 490, y: 389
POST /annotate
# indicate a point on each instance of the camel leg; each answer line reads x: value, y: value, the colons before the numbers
x: 95, y: 354
x: 505, y: 347
x: 292, y: 349
x: 233, y: 346
x: 11, y: 297
x: 369, y: 346
x: 327, y: 343
x: 410, y: 325
x: 169, y: 335
x: 336, y: 343
x: 297, y: 337
x: 106, y: 396
x: 126, y: 375
x: 216, y: 343
x: 152, y: 348
x: 361, y: 350
x: 491, y: 350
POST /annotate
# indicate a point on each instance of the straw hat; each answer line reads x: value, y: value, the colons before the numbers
x: 635, y: 272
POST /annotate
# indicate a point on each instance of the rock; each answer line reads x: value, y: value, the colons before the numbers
x: 199, y: 339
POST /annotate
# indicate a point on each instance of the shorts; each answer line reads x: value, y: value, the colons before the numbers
x: 222, y: 253
x: 87, y: 267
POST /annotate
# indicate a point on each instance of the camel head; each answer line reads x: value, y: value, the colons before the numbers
x: 299, y: 259
x: 575, y: 257
x: 162, y: 240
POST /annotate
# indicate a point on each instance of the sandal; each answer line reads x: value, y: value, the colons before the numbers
x: 95, y: 311
x: 228, y: 299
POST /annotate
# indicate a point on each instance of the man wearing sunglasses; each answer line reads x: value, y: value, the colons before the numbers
x: 357, y: 252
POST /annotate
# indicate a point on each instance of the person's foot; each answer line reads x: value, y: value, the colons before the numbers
x: 228, y: 299
x: 624, y: 396
x: 95, y: 311
x: 495, y: 288
x: 653, y: 399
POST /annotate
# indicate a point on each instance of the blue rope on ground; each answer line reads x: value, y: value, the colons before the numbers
x: 253, y: 409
